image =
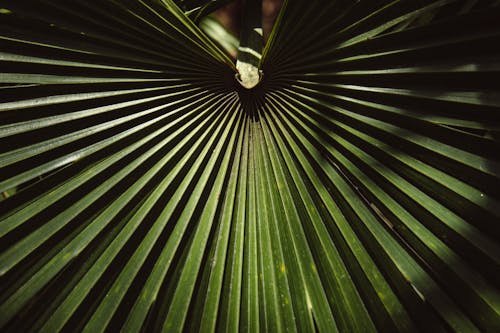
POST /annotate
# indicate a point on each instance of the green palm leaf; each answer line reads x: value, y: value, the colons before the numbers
x: 354, y: 189
x: 197, y: 9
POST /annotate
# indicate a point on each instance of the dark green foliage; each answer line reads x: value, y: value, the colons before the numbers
x: 355, y: 189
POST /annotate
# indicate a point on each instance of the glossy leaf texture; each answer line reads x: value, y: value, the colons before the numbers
x: 197, y: 9
x: 355, y: 189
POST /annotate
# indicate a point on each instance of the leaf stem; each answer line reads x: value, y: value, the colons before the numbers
x: 250, y: 48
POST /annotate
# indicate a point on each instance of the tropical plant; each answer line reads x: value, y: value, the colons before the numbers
x: 355, y: 188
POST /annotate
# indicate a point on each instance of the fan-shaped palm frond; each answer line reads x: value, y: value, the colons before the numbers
x: 355, y: 188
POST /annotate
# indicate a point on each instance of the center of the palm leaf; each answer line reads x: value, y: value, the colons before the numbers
x: 248, y: 74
